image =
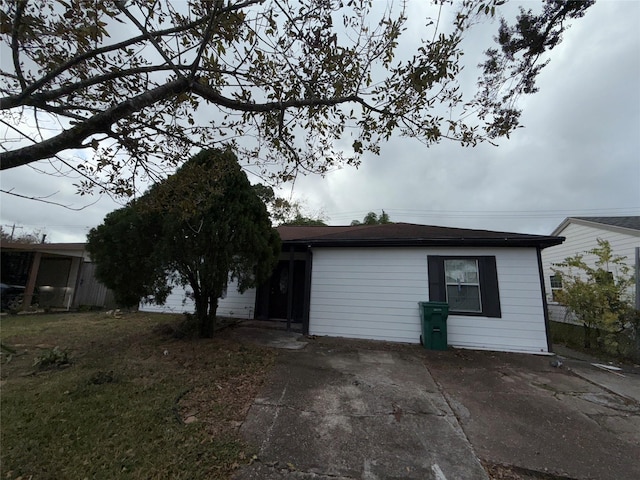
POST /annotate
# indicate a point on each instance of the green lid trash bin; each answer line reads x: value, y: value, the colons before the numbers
x: 434, y: 325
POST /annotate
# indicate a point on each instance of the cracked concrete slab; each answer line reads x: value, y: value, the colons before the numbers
x: 332, y: 413
x: 543, y: 419
x: 626, y: 385
x: 345, y: 409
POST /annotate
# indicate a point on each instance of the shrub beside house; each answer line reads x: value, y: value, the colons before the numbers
x: 584, y: 236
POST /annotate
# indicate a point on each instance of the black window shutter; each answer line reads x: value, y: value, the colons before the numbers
x: 489, y: 287
x: 437, y: 291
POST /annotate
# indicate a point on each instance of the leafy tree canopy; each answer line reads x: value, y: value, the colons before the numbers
x: 123, y: 248
x: 199, y: 228
x: 372, y: 218
x: 133, y: 86
x: 302, y: 221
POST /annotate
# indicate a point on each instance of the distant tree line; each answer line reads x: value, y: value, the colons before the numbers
x: 30, y: 237
x: 372, y: 218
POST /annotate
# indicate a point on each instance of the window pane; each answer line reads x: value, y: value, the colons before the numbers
x: 463, y: 298
x: 463, y: 288
x: 461, y: 271
x: 556, y: 281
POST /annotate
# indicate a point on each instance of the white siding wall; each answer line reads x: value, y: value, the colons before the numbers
x: 374, y: 293
x: 235, y: 304
x: 581, y: 238
x: 176, y: 303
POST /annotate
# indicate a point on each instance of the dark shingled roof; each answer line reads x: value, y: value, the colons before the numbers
x: 408, y: 234
x: 632, y: 223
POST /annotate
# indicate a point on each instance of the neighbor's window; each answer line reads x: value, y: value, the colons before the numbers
x: 556, y: 286
x: 604, y: 278
x: 463, y: 285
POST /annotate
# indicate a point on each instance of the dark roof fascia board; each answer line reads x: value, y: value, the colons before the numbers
x: 60, y: 249
x: 541, y: 242
x: 602, y: 226
x: 42, y: 246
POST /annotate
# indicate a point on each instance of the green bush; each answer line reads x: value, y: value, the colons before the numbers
x: 52, y: 358
x: 618, y: 345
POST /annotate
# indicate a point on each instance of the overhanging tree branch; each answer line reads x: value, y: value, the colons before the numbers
x: 213, y: 96
x: 100, y: 123
x: 255, y: 61
x: 15, y: 44
x: 14, y: 101
x: 148, y: 36
x: 91, y: 54
x: 50, y: 202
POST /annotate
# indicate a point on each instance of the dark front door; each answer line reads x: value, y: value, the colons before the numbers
x: 282, y: 292
x: 279, y: 291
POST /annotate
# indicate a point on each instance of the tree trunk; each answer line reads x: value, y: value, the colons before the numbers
x: 213, y: 309
x: 206, y: 308
x: 205, y: 326
x: 587, y: 335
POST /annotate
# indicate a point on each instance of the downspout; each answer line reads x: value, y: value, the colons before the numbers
x: 547, y: 325
x: 307, y: 291
x: 31, y: 281
x: 290, y: 288
x: 637, y: 273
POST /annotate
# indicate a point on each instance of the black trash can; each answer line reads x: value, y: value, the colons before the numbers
x: 434, y: 325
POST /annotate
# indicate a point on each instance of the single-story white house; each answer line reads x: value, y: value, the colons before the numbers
x: 366, y: 281
x: 581, y: 235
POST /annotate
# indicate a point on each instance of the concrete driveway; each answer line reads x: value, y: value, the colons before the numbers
x: 355, y: 410
x: 575, y: 422
x: 343, y: 409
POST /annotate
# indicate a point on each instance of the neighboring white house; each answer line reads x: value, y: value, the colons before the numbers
x: 366, y: 282
x: 582, y: 234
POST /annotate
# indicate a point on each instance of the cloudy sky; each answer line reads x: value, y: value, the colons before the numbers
x: 577, y: 155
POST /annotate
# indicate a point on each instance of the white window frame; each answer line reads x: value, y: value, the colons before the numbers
x: 553, y: 282
x: 464, y: 283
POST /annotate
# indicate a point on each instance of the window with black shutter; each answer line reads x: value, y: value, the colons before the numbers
x: 469, y: 284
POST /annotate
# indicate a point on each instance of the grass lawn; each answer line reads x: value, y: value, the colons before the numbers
x: 133, y: 401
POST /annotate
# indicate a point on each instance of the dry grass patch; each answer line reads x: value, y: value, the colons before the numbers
x: 129, y: 400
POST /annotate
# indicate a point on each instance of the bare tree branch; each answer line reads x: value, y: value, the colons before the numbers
x: 147, y: 35
x: 44, y: 200
x: 15, y: 46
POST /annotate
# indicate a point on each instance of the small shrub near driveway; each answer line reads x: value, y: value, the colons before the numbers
x: 52, y: 358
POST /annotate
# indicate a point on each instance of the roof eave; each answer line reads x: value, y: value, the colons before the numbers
x: 601, y: 226
x: 538, y: 242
